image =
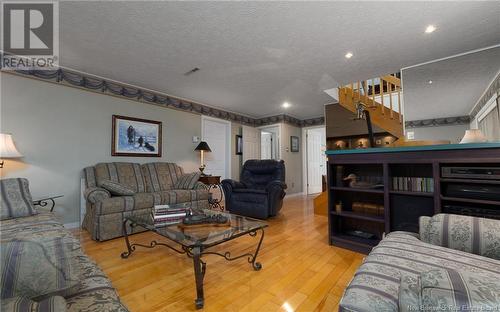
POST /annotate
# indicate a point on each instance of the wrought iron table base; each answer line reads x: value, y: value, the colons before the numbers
x: 196, y: 254
x: 215, y: 203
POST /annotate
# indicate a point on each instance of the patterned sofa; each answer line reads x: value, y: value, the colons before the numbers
x: 453, y: 264
x: 151, y: 184
x: 22, y: 226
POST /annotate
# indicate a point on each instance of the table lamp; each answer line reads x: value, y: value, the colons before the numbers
x: 202, y: 147
x: 473, y: 136
x: 7, y: 148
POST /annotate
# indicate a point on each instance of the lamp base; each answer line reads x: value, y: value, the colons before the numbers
x: 202, y: 167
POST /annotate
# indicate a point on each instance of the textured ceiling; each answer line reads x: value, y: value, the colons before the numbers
x: 255, y: 55
x: 457, y: 84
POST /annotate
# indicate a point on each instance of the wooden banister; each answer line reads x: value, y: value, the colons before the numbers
x: 357, y: 92
x: 394, y: 80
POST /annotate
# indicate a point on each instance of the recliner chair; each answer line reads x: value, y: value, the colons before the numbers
x: 260, y: 192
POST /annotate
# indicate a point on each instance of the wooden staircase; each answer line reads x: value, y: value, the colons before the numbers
x: 382, y: 98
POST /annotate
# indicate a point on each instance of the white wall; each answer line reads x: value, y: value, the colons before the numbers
x: 60, y: 130
x: 293, y: 161
x: 451, y: 133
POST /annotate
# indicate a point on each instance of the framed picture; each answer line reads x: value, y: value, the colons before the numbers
x: 135, y: 137
x: 239, y: 145
x: 294, y: 144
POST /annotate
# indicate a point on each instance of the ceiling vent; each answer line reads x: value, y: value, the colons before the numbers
x: 192, y: 71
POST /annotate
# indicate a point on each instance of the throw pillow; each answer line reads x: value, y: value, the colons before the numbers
x: 37, y: 269
x: 22, y: 304
x: 15, y: 199
x: 479, y: 236
x: 116, y: 188
x: 187, y: 181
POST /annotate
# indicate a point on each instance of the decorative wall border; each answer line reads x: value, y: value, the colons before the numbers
x: 438, y: 122
x: 493, y: 88
x: 66, y: 77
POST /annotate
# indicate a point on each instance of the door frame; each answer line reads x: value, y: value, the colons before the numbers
x: 278, y: 136
x: 228, y: 141
x: 305, y: 173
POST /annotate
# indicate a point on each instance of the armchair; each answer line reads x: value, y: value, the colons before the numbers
x: 260, y: 192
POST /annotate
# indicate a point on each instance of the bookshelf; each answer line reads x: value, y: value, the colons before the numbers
x: 359, y: 217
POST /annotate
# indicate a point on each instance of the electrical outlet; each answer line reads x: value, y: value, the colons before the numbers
x: 196, y: 139
x: 293, y: 184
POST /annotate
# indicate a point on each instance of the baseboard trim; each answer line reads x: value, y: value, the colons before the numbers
x: 72, y: 225
x: 295, y: 194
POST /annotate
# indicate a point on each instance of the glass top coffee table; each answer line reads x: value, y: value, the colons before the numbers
x: 195, y: 240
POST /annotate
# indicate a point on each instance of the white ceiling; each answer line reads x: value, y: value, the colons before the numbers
x: 255, y: 55
x: 457, y: 84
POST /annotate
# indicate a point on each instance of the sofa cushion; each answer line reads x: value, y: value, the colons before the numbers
x: 128, y: 174
x: 148, y: 200
x: 127, y: 203
x: 36, y: 269
x: 161, y: 176
x: 15, y: 199
x: 187, y: 181
x: 447, y: 289
x: 116, y: 188
x: 410, y: 293
x: 23, y: 304
x: 470, y: 234
x: 182, y: 196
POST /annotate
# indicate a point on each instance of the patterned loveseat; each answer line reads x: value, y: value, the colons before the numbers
x: 453, y: 264
x: 29, y: 279
x: 149, y: 184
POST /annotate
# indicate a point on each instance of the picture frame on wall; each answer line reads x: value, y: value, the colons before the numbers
x: 136, y: 137
x: 239, y: 145
x: 294, y: 144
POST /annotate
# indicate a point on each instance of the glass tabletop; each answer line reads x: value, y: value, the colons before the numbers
x: 203, y: 235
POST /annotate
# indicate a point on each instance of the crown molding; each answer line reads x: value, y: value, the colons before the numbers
x: 88, y: 82
x: 493, y: 87
x: 438, y: 122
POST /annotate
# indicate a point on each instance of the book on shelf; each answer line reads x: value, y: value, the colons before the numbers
x: 413, y: 184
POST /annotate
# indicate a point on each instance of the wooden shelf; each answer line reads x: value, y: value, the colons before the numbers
x: 358, y: 190
x: 473, y: 181
x: 356, y: 243
x: 359, y: 216
x: 425, y: 194
x: 471, y: 200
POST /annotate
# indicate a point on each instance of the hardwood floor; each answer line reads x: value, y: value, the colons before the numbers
x: 301, y: 272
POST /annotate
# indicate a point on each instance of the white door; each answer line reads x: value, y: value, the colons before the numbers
x: 217, y: 134
x: 266, y: 145
x: 316, y: 159
x: 251, y: 143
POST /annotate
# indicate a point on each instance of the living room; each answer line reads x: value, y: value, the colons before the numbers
x: 299, y: 120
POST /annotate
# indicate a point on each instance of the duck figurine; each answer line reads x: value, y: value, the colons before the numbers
x: 354, y: 183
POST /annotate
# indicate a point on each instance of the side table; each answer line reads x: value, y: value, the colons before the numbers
x: 213, y: 182
x: 44, y: 201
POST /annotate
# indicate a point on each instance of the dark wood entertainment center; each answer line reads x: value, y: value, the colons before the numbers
x: 413, y: 186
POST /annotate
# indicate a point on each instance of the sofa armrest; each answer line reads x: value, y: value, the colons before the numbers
x: 96, y: 194
x: 199, y: 186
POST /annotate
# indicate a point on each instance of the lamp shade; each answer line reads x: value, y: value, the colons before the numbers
x: 203, y: 146
x: 7, y: 147
x: 473, y: 136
